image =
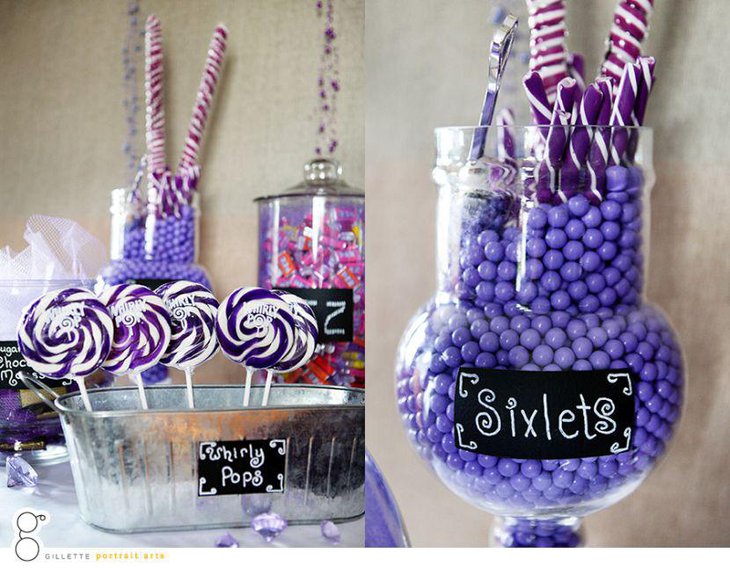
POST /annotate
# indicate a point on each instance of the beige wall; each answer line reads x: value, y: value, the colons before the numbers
x: 62, y: 120
x: 425, y: 64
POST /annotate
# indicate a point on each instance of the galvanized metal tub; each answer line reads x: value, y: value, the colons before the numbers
x: 137, y: 470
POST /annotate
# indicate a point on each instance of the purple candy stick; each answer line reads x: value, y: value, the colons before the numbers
x: 537, y: 97
x: 505, y: 136
x: 580, y: 139
x: 622, y: 112
x: 576, y: 68
x: 598, y: 153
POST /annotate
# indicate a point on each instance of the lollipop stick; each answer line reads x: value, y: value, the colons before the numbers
x: 137, y: 378
x: 247, y: 391
x: 189, y: 384
x: 267, y: 388
x: 84, y: 394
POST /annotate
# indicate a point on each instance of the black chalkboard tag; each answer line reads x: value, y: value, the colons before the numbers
x: 241, y: 467
x: 544, y: 415
x: 151, y: 283
x: 12, y: 363
x: 333, y: 308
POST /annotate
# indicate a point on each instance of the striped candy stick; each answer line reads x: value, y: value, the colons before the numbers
x: 598, y: 152
x: 622, y: 114
x: 630, y: 27
x: 541, y: 111
x: 577, y: 70
x: 548, y: 54
x: 560, y: 131
x: 204, y: 97
x: 646, y: 83
x: 580, y: 138
x: 155, y: 111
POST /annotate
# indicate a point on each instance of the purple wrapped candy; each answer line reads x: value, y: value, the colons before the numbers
x: 141, y: 331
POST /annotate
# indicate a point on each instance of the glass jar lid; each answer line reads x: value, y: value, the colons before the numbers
x: 322, y: 178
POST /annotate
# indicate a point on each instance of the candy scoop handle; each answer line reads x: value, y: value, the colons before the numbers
x: 40, y: 389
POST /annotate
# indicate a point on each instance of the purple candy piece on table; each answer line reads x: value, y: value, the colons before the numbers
x: 598, y: 152
x: 330, y: 532
x: 622, y: 114
x: 20, y: 472
x: 269, y: 525
x: 226, y: 541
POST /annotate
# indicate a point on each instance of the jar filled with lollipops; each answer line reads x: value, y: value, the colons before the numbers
x: 312, y: 244
x: 155, y: 233
x: 538, y: 383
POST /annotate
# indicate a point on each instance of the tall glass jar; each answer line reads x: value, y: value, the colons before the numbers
x: 27, y: 426
x: 538, y: 383
x: 152, y: 247
x: 312, y: 242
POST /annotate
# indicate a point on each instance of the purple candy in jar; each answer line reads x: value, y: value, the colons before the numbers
x: 567, y: 300
x: 153, y: 248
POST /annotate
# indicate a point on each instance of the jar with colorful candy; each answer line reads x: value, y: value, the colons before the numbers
x: 312, y: 243
x: 538, y: 383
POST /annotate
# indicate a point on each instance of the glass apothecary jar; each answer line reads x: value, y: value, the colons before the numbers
x: 27, y: 426
x: 152, y: 246
x: 312, y: 242
x: 538, y: 383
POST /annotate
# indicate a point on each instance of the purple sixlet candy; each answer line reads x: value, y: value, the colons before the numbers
x: 65, y: 334
x: 141, y: 328
x: 193, y: 310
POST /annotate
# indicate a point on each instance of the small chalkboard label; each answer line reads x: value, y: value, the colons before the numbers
x: 151, y: 283
x: 241, y: 467
x: 544, y: 415
x: 12, y: 363
x: 333, y: 308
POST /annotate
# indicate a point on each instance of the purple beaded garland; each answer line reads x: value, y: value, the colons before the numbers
x: 565, y: 302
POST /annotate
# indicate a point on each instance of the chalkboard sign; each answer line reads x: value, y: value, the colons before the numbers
x: 151, y: 283
x: 241, y: 467
x: 333, y: 308
x: 544, y: 415
x: 12, y: 363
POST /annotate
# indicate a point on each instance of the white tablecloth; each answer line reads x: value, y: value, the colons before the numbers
x: 65, y: 529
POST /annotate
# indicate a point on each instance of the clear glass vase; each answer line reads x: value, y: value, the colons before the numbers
x: 538, y: 383
x: 152, y: 247
x: 312, y: 243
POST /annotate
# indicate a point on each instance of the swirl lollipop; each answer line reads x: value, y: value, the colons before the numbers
x: 257, y: 329
x: 303, y: 349
x: 141, y: 331
x: 66, y: 334
x: 193, y: 310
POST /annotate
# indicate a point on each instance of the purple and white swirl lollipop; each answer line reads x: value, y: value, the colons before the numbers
x: 141, y: 331
x: 193, y: 310
x: 66, y: 334
x: 303, y: 349
x: 257, y: 329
